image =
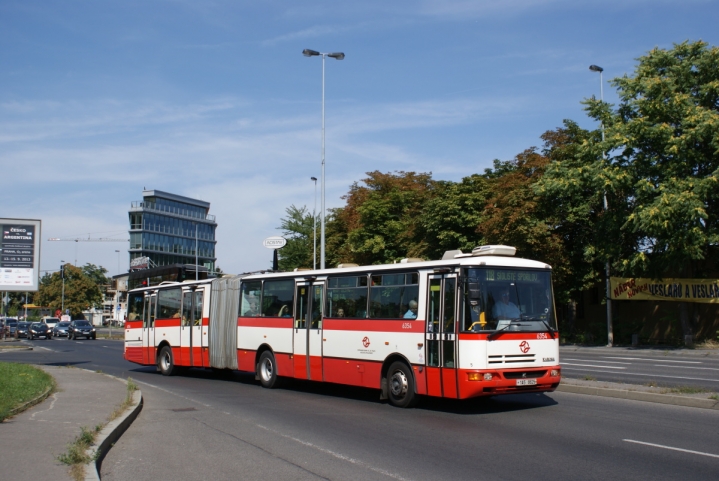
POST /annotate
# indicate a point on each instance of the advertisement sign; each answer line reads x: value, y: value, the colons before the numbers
x: 19, y: 254
x: 274, y: 242
x: 679, y: 290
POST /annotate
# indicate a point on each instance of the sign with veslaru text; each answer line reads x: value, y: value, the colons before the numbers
x: 680, y: 290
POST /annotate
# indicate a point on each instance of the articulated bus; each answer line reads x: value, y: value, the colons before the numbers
x: 471, y: 324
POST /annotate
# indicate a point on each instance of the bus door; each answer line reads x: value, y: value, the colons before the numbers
x: 441, y: 336
x: 148, y: 329
x: 307, y: 337
x: 191, y: 329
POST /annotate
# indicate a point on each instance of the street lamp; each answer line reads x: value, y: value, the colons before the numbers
x: 314, y: 226
x: 338, y: 56
x: 610, y: 333
x: 196, y: 265
x: 118, y: 261
x: 62, y: 274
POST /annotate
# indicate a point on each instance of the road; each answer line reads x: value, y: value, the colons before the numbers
x: 199, y: 426
x: 698, y: 369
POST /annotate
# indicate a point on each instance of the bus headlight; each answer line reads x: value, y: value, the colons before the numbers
x: 554, y: 372
x: 487, y: 376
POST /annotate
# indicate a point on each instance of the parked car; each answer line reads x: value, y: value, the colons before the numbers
x: 60, y: 329
x: 38, y: 330
x: 10, y: 327
x: 22, y: 329
x: 81, y: 328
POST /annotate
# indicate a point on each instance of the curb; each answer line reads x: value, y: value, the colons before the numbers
x: 640, y: 396
x: 110, y: 434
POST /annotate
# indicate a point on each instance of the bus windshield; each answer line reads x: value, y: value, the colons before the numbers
x: 508, y: 300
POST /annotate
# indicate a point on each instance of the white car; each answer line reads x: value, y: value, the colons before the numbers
x: 50, y: 321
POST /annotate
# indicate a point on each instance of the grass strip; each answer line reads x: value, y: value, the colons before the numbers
x: 20, y: 384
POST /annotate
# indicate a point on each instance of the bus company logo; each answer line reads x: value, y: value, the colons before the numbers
x: 365, y: 342
x: 524, y: 347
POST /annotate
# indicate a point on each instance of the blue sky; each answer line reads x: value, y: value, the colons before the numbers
x: 214, y: 100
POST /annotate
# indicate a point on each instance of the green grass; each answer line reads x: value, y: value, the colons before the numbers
x: 687, y: 390
x: 20, y: 383
x: 77, y: 455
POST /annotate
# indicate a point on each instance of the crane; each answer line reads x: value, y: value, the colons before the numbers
x: 88, y: 239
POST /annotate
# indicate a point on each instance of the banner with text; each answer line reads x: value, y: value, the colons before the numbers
x: 680, y: 290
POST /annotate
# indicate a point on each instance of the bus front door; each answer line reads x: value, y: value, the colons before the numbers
x: 307, y: 337
x: 148, y: 329
x: 441, y: 336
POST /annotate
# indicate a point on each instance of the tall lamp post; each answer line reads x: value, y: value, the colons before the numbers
x: 118, y: 261
x: 339, y: 56
x: 196, y: 265
x: 610, y: 330
x: 62, y: 274
x: 314, y: 227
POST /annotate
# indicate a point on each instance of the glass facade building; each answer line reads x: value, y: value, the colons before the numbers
x: 166, y: 228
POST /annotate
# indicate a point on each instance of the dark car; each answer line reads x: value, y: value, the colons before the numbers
x: 10, y: 327
x: 39, y: 330
x: 22, y: 329
x: 60, y: 329
x: 81, y: 329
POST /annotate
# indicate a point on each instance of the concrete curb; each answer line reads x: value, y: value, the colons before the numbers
x: 640, y: 396
x: 110, y: 434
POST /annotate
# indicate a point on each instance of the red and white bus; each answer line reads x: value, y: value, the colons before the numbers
x: 474, y: 324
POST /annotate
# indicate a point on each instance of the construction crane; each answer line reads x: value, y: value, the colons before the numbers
x: 88, y: 239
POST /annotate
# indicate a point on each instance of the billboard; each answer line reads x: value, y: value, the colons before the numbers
x: 679, y: 290
x: 19, y: 254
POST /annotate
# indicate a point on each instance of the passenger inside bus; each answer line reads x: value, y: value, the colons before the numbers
x: 412, y: 312
x: 253, y: 310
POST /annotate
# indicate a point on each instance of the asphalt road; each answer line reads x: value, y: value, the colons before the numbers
x: 699, y: 369
x: 200, y: 426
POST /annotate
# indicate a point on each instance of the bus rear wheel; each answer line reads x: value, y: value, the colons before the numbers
x: 400, y: 383
x: 165, y: 361
x: 267, y: 370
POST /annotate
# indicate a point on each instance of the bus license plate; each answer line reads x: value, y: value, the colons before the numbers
x: 526, y: 382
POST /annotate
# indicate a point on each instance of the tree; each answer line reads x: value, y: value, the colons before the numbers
x: 658, y: 165
x: 96, y: 274
x: 450, y: 218
x: 81, y: 292
x: 381, y: 217
x: 297, y: 228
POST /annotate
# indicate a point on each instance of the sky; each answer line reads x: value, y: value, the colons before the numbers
x: 214, y: 100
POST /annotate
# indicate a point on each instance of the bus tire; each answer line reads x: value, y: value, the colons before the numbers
x: 166, y: 362
x: 400, y: 383
x: 267, y: 370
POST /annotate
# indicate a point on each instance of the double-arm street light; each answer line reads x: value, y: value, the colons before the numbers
x: 314, y: 226
x: 338, y: 56
x: 610, y: 330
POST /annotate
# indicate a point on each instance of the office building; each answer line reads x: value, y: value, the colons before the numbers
x: 166, y: 228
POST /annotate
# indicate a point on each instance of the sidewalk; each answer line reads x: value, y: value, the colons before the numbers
x: 31, y: 441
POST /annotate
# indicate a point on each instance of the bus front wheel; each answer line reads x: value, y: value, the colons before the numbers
x: 401, y: 385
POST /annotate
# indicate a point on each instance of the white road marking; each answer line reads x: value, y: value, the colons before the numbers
x: 590, y: 365
x: 672, y: 448
x: 608, y: 362
x: 173, y: 393
x: 653, y: 360
x: 689, y: 367
x: 644, y: 375
x: 336, y: 454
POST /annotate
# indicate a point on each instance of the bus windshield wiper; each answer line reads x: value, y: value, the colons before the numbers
x: 543, y: 321
x: 496, y: 333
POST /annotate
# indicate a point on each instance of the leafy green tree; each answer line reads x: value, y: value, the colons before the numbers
x: 382, y: 217
x: 451, y: 217
x: 96, y: 274
x: 81, y: 292
x: 297, y: 228
x: 658, y: 165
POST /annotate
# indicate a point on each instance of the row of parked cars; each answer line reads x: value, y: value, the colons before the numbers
x: 48, y: 330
